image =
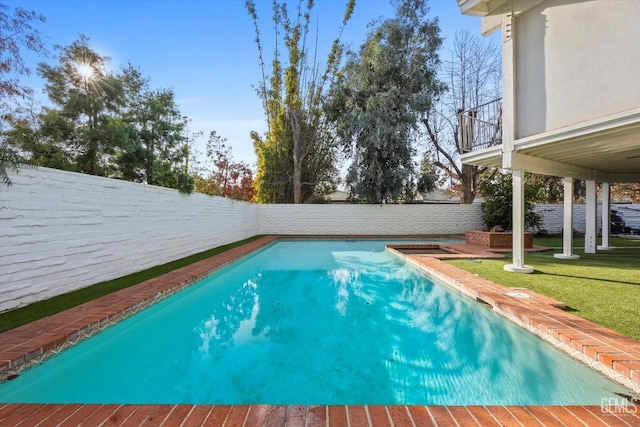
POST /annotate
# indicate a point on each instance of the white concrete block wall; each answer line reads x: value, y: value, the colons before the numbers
x: 553, y: 216
x: 62, y: 231
x: 370, y: 219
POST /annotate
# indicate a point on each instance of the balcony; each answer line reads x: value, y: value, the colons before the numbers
x: 480, y: 127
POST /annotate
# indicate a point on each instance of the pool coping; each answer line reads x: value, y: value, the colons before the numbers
x: 609, y: 352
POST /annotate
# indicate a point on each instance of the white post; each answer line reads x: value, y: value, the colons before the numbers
x: 567, y: 230
x: 606, y: 217
x: 518, y: 225
x: 590, y: 237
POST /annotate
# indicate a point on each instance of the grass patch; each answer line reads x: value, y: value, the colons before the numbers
x: 21, y: 316
x: 603, y: 288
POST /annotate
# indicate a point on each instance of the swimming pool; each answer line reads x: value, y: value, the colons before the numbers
x: 331, y: 322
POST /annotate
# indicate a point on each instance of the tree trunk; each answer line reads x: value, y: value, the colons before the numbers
x: 468, y: 181
x: 295, y: 118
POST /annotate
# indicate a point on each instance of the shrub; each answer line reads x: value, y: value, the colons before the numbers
x: 497, y: 208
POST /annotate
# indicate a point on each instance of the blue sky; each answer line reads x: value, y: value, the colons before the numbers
x: 204, y: 49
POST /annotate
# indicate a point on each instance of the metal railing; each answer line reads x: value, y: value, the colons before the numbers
x: 480, y: 127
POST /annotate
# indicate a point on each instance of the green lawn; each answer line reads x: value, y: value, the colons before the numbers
x: 38, y: 310
x: 603, y: 288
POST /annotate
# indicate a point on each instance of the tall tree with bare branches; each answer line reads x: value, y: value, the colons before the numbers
x: 473, y: 78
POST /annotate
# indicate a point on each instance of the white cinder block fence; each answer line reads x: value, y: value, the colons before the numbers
x: 61, y: 231
x: 552, y: 215
x: 418, y: 219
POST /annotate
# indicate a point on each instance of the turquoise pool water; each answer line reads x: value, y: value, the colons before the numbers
x: 314, y: 322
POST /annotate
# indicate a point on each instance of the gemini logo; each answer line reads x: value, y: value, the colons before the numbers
x: 618, y: 405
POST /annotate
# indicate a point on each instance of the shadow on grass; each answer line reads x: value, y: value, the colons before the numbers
x: 592, y: 279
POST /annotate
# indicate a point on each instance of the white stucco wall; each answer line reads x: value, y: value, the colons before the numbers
x: 62, y: 231
x: 335, y: 219
x: 553, y: 215
x: 567, y: 71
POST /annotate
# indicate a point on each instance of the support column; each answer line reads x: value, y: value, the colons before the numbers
x: 567, y: 228
x: 606, y: 218
x: 591, y: 216
x: 518, y: 225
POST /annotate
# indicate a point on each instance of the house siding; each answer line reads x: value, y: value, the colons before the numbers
x: 567, y: 70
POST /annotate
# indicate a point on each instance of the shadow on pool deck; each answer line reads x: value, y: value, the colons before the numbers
x: 603, y: 349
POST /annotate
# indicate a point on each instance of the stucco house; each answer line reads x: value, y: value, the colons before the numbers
x: 571, y: 102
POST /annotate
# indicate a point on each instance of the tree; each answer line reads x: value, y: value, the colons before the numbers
x: 87, y: 96
x: 18, y: 31
x: 626, y: 192
x: 103, y: 123
x: 429, y: 178
x: 386, y: 87
x: 156, y: 146
x: 39, y: 136
x: 228, y: 178
x: 473, y: 77
x: 296, y: 156
x: 497, y: 209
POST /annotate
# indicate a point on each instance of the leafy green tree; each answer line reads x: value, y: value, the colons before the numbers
x: 87, y: 95
x: 377, y: 104
x: 39, y: 136
x: 296, y: 157
x: 155, y: 147
x: 18, y: 31
x: 497, y: 209
x: 429, y: 179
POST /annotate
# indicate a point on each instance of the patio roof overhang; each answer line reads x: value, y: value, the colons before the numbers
x: 605, y: 150
x: 490, y: 11
x: 484, y: 8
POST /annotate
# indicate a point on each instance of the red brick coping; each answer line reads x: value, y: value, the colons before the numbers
x: 604, y: 349
x: 312, y: 416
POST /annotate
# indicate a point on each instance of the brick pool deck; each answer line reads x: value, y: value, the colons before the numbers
x: 603, y: 349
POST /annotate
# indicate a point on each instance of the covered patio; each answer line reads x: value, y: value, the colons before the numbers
x: 569, y: 108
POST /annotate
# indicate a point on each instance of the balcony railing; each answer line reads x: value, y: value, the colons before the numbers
x: 480, y: 127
